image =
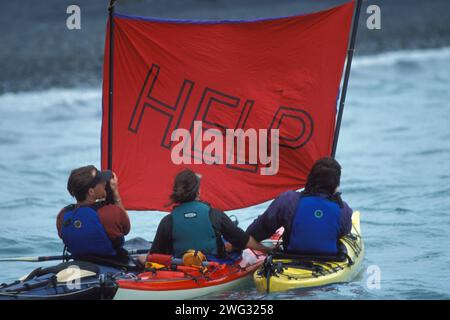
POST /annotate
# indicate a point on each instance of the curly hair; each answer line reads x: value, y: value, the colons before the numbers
x: 324, y: 177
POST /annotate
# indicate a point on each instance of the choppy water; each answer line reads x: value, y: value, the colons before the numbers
x: 394, y: 148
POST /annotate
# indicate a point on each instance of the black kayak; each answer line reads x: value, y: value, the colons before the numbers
x: 91, y: 278
x: 97, y: 283
x: 79, y: 280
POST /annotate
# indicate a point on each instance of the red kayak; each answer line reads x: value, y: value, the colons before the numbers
x: 171, y: 280
x: 174, y: 281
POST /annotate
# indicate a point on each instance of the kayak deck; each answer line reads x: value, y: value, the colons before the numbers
x: 188, y: 283
x: 287, y: 274
x: 66, y: 281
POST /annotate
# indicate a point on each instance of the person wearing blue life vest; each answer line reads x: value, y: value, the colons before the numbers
x: 96, y: 225
x: 194, y: 224
x: 313, y: 219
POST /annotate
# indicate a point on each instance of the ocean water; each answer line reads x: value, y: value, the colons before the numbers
x: 394, y: 149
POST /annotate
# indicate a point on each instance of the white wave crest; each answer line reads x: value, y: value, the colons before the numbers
x: 394, y: 57
x: 49, y: 99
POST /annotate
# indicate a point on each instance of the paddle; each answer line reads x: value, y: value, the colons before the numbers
x: 32, y: 259
x: 61, y: 257
x: 130, y: 245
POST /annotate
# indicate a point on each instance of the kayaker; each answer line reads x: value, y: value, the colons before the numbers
x: 314, y: 219
x: 93, y: 226
x: 194, y: 224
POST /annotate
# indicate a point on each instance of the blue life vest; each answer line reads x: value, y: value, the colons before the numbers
x: 315, y: 227
x: 192, y: 229
x: 84, y: 234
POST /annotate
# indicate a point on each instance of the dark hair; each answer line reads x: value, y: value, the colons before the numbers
x: 185, y: 187
x: 79, y: 182
x: 324, y: 177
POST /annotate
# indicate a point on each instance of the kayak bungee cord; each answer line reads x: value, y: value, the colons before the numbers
x: 317, y: 269
x: 316, y: 272
x: 353, y: 245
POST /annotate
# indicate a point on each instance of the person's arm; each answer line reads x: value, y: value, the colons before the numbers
x: 233, y: 234
x: 125, y: 222
x: 115, y: 220
x: 114, y: 183
x: 238, y: 238
x: 162, y: 243
x: 255, y: 245
x: 276, y: 216
x: 345, y: 223
x: 59, y: 221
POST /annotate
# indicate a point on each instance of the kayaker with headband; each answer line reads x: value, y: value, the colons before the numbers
x: 194, y: 224
x: 314, y: 219
x: 93, y: 226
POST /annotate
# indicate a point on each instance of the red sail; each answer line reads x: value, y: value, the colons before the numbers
x: 269, y: 74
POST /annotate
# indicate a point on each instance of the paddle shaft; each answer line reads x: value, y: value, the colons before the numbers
x: 61, y: 257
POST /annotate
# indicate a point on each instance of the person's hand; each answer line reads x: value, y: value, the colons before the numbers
x: 114, y: 182
x: 228, y: 247
x: 277, y: 245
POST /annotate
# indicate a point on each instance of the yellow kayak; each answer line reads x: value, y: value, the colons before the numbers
x: 282, y: 272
